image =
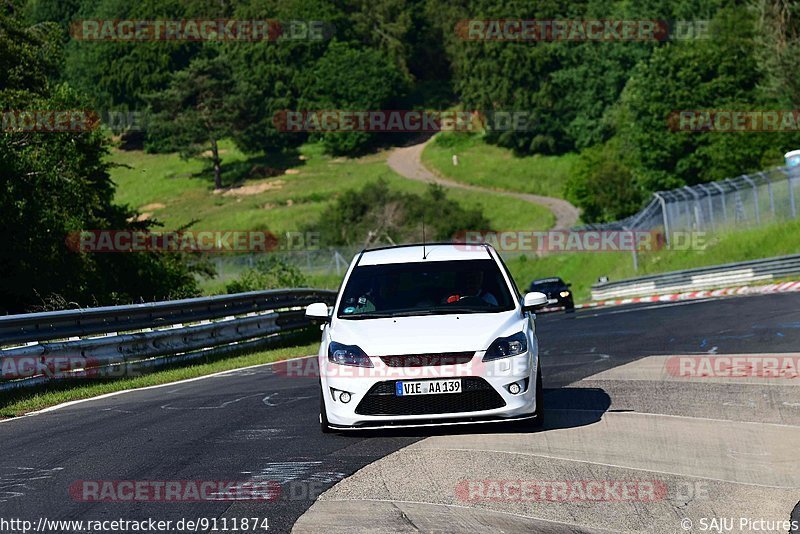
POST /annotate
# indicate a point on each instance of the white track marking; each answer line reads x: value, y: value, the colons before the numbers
x: 475, y: 509
x: 157, y: 386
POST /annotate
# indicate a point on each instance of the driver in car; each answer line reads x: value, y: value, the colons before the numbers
x: 471, y: 284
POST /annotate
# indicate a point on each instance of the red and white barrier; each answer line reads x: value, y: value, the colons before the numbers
x: 785, y: 287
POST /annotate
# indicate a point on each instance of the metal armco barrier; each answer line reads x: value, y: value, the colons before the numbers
x: 742, y: 273
x: 114, y: 341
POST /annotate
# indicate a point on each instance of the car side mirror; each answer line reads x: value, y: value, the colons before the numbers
x: 569, y: 285
x: 533, y: 300
x: 317, y: 313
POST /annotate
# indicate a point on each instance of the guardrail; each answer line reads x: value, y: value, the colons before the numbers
x: 110, y: 341
x: 741, y: 273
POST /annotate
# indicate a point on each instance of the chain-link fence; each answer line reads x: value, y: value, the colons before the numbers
x: 748, y: 200
x: 321, y: 261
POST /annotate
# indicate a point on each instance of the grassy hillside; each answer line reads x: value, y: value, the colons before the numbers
x: 497, y: 168
x: 176, y: 192
x: 582, y: 270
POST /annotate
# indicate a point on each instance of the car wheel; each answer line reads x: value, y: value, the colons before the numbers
x: 323, y: 414
x: 570, y: 307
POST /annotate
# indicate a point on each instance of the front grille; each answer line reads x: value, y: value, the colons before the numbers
x: 476, y: 395
x: 428, y: 360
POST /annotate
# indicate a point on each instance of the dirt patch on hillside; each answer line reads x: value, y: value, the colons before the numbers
x: 152, y: 207
x: 254, y: 189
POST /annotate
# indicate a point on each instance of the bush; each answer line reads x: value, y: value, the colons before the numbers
x: 378, y: 214
x: 269, y: 273
x: 603, y: 185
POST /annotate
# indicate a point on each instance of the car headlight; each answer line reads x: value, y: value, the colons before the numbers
x: 504, y: 347
x: 348, y: 355
x: 564, y: 293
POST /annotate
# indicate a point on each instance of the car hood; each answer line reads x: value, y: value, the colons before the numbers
x: 427, y: 334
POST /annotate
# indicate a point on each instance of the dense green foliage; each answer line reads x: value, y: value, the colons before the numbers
x: 269, y: 273
x: 393, y: 53
x: 377, y: 213
x: 56, y: 183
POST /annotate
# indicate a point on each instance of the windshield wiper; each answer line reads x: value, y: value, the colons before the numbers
x: 410, y: 313
x: 388, y: 315
x: 367, y: 315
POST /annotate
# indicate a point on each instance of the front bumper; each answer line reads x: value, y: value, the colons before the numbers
x: 484, y: 398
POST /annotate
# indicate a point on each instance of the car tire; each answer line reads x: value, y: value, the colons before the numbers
x: 570, y: 307
x: 323, y: 414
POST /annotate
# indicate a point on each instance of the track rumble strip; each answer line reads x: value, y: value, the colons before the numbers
x: 787, y: 287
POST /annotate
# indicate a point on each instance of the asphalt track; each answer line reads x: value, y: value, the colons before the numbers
x: 722, y: 448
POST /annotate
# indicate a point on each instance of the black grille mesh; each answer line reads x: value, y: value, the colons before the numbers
x: 476, y: 395
x: 428, y: 360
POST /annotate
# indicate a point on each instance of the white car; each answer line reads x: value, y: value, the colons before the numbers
x: 428, y: 335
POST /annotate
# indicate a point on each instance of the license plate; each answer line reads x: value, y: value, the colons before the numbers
x: 427, y: 387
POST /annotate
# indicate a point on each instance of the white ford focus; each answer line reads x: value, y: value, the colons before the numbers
x: 428, y: 335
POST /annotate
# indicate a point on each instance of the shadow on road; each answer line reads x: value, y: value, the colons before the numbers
x: 574, y: 407
x: 565, y: 408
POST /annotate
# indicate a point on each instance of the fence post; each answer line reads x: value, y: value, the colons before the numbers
x: 770, y: 192
x: 792, y: 159
x: 710, y: 204
x: 698, y: 211
x: 755, y: 196
x: 722, y: 194
x: 338, y: 268
x: 633, y: 249
x: 665, y: 215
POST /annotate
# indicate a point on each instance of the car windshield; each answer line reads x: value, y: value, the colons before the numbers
x: 425, y: 288
x: 547, y: 286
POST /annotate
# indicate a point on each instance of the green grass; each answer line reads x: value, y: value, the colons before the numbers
x: 583, y: 270
x: 15, y: 404
x: 185, y: 188
x: 497, y: 168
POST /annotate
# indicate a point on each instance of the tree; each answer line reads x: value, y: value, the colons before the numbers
x: 603, y: 186
x: 778, y: 50
x: 55, y: 183
x: 352, y: 78
x: 197, y: 109
x: 707, y: 74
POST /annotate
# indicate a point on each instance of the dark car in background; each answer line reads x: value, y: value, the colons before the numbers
x: 558, y: 292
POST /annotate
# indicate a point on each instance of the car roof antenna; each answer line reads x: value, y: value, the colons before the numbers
x: 424, y: 254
